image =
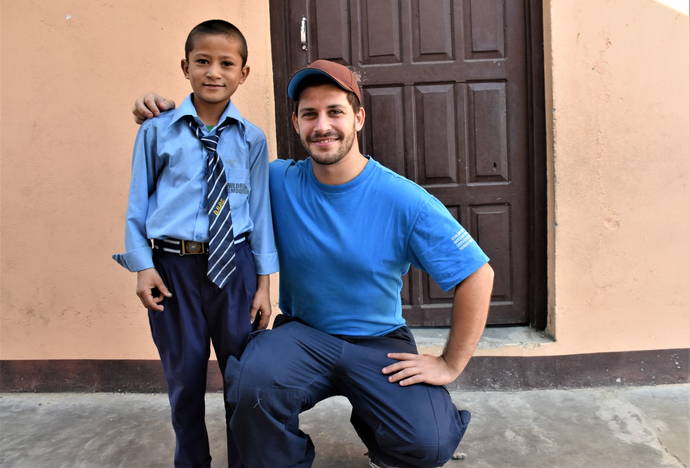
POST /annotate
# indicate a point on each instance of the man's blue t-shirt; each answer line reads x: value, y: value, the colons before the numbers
x: 343, y: 249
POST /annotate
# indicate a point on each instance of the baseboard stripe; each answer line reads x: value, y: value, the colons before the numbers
x: 666, y: 366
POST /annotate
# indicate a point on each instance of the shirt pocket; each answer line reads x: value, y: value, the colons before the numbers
x: 238, y: 185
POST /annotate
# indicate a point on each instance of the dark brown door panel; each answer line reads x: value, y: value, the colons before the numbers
x: 452, y: 90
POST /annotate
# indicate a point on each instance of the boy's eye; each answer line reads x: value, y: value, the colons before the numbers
x: 202, y: 61
x: 228, y: 64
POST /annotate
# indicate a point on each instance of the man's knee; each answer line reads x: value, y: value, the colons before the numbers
x: 242, y: 379
x: 258, y: 406
x: 418, y: 450
x: 252, y: 384
x: 425, y: 446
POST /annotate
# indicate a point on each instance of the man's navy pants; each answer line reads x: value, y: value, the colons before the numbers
x: 198, y: 313
x: 289, y: 369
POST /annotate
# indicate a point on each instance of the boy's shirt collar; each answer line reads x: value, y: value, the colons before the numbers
x: 187, y: 109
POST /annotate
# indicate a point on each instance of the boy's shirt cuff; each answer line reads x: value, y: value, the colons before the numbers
x: 266, y: 263
x: 135, y: 260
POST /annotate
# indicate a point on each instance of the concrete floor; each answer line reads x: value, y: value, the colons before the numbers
x: 604, y: 427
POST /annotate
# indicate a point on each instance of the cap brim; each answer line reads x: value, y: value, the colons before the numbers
x: 297, y: 78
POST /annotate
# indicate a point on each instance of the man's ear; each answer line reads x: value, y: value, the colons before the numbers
x: 184, y: 64
x: 360, y: 116
x: 294, y: 122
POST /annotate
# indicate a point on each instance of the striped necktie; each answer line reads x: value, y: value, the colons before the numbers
x: 221, y: 245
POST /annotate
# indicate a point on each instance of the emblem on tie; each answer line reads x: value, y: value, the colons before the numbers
x: 219, y: 207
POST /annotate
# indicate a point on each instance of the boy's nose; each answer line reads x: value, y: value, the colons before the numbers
x: 212, y: 71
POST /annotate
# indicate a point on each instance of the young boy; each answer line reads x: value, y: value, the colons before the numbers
x: 199, y: 232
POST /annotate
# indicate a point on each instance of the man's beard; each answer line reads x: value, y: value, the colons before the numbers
x: 346, y: 142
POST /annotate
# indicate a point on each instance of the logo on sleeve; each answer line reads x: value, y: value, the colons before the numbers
x: 462, y: 239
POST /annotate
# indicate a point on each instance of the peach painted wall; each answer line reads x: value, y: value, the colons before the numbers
x: 618, y: 155
x: 70, y: 72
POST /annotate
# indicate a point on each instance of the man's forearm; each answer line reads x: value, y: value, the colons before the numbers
x: 470, y: 310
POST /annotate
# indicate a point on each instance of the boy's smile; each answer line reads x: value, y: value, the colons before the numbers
x: 214, y: 69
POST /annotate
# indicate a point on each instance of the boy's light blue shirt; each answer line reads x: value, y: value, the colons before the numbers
x: 166, y: 197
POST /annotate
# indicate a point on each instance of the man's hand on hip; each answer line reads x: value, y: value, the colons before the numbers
x: 417, y: 368
x: 470, y: 308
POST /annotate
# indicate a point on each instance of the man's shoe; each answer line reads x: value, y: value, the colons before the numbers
x: 378, y: 464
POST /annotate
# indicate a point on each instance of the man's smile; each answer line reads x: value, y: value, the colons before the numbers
x: 323, y: 140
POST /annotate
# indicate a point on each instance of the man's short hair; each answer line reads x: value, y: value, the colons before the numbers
x: 216, y: 26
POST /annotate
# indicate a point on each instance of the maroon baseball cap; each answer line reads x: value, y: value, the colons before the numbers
x: 339, y: 74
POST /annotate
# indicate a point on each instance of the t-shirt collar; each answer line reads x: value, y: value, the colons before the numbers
x: 347, y: 186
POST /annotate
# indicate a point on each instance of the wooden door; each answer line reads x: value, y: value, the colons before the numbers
x: 449, y: 93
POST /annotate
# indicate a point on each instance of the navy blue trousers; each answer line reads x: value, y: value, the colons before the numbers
x: 197, y: 314
x: 289, y: 369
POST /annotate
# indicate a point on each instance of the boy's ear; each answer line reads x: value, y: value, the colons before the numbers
x: 185, y: 67
x: 245, y: 74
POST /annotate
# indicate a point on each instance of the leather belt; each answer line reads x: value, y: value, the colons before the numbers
x: 185, y: 247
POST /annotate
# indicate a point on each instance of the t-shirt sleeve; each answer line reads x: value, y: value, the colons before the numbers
x: 275, y: 173
x: 439, y: 245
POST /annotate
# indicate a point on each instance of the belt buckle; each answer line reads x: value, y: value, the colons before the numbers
x: 192, y: 248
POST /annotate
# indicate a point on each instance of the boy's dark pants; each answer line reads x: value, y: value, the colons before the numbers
x: 199, y: 312
x: 289, y: 369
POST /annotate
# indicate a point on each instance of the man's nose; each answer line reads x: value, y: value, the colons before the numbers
x: 322, y: 123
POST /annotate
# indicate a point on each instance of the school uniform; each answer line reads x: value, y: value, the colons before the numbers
x: 167, y: 228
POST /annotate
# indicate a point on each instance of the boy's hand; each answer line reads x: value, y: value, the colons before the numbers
x: 261, y: 303
x: 150, y: 105
x: 146, y: 281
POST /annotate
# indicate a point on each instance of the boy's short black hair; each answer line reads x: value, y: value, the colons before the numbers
x: 216, y: 26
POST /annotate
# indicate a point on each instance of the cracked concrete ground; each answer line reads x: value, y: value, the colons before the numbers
x: 601, y: 427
